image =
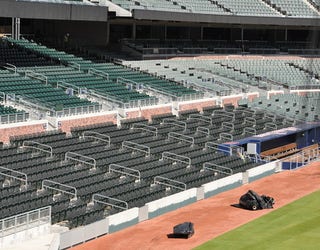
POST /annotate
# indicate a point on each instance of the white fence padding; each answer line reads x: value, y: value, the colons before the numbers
x: 172, y: 199
x: 124, y: 217
x: 261, y: 170
x: 223, y: 182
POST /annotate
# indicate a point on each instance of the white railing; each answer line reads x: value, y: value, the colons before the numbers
x: 136, y: 147
x: 25, y: 221
x: 82, y: 159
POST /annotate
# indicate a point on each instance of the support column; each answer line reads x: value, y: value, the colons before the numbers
x: 17, y: 28
x: 165, y: 32
x: 108, y: 33
x: 242, y: 44
x: 201, y: 33
x: 241, y: 35
x: 13, y: 28
x: 134, y: 29
x: 286, y: 34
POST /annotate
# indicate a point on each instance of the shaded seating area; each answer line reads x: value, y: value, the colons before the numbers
x: 118, y: 74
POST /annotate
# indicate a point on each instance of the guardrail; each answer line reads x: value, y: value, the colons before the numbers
x: 82, y: 159
x: 25, y: 221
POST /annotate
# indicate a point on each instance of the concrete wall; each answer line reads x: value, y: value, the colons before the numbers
x: 82, y: 33
x: 141, y: 14
x: 172, y: 202
x: 82, y: 234
x: 44, y: 10
x: 222, y: 185
x: 261, y: 171
x: 123, y: 219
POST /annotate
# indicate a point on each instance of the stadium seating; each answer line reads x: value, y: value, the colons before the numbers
x: 135, y: 79
x: 12, y: 115
x: 80, y: 2
x: 98, y: 178
x: 229, y: 7
x: 223, y: 76
x: 35, y: 91
x: 299, y: 108
x: 295, y: 8
x: 99, y: 84
x: 20, y: 58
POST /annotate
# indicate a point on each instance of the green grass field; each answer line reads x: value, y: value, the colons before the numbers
x: 294, y: 226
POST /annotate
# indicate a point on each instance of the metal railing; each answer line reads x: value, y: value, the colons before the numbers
x: 218, y: 147
x: 201, y: 118
x: 136, y: 147
x: 181, y: 137
x: 159, y: 180
x: 176, y: 158
x: 11, y: 67
x: 249, y: 130
x: 217, y: 168
x: 97, y: 137
x: 35, y: 75
x: 147, y: 128
x: 129, y: 83
x: 176, y: 123
x: 125, y: 170
x: 14, y: 117
x: 100, y: 73
x: 66, y: 85
x: 62, y: 188
x: 14, y: 175
x: 113, y: 202
x: 226, y: 137
x: 74, y: 65
x: 224, y: 113
x: 203, y: 130
x: 25, y: 221
x: 82, y: 159
x: 38, y: 146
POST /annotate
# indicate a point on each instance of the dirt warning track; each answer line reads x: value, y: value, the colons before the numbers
x: 211, y: 217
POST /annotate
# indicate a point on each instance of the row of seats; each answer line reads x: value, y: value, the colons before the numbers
x: 37, y: 92
x: 225, y: 75
x: 89, y: 179
x: 225, y: 7
x: 116, y: 73
x: 299, y: 108
x: 20, y: 58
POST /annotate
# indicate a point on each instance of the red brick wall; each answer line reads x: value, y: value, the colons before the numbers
x: 132, y: 114
x: 271, y: 93
x: 196, y: 105
x: 65, y: 125
x: 252, y: 96
x: 147, y: 113
x: 231, y: 100
x: 6, y: 132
